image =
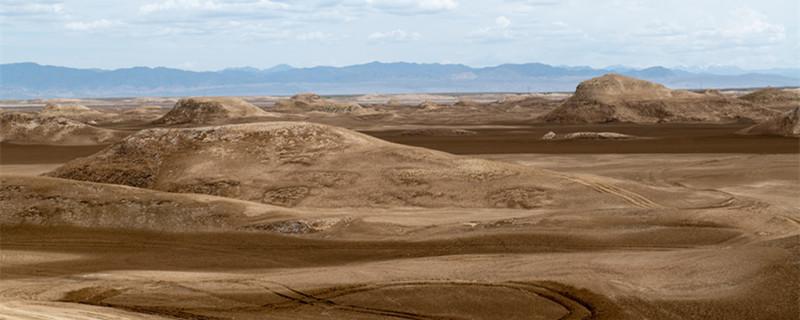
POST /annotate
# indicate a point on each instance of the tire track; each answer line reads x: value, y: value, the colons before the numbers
x: 631, y: 197
x: 577, y: 310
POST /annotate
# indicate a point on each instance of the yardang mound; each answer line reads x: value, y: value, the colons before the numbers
x: 616, y: 98
x: 74, y: 112
x: 303, y: 164
x: 773, y: 97
x: 37, y: 129
x: 210, y: 111
x: 787, y: 125
x: 53, y: 108
x: 306, y: 102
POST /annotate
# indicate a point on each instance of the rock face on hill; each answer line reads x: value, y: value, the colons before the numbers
x: 787, y: 124
x: 210, y: 111
x: 616, y: 98
x: 38, y: 129
x: 302, y: 164
x: 306, y: 102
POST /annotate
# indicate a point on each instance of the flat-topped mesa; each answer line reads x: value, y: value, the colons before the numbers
x: 307, y: 102
x: 20, y: 127
x: 616, y: 98
x: 210, y: 111
x: 787, y: 125
x: 312, y: 165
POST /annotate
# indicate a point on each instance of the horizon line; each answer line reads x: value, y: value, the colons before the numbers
x: 708, y: 68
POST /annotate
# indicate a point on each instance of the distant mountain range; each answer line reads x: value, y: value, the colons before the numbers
x: 31, y: 80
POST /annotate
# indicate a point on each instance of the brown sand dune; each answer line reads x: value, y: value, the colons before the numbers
x: 616, y: 98
x: 787, y: 124
x: 210, y: 110
x: 303, y: 164
x: 29, y: 128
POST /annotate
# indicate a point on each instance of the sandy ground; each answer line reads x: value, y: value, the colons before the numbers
x: 737, y: 260
x: 733, y: 255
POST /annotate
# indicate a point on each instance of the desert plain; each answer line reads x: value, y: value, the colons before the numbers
x: 622, y: 200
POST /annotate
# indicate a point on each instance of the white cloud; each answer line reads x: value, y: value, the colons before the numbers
x: 221, y: 6
x: 750, y: 25
x: 413, y: 6
x: 501, y: 31
x: 315, y: 36
x: 25, y: 8
x: 90, y: 25
x: 502, y: 22
x: 394, y: 36
x: 742, y: 27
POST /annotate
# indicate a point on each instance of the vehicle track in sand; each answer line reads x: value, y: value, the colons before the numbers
x: 576, y: 309
x: 629, y: 196
x: 326, y: 299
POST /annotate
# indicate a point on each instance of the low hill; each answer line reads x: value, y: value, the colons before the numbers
x: 75, y: 112
x: 29, y: 128
x: 209, y: 111
x: 773, y: 97
x: 306, y: 102
x: 302, y: 164
x: 617, y: 98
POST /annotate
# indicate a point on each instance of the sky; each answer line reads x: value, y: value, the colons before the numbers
x: 217, y: 34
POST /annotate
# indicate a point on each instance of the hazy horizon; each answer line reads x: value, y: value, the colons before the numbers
x: 710, y: 69
x: 205, y: 35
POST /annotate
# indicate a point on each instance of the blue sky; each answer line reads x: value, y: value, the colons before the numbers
x: 215, y: 34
